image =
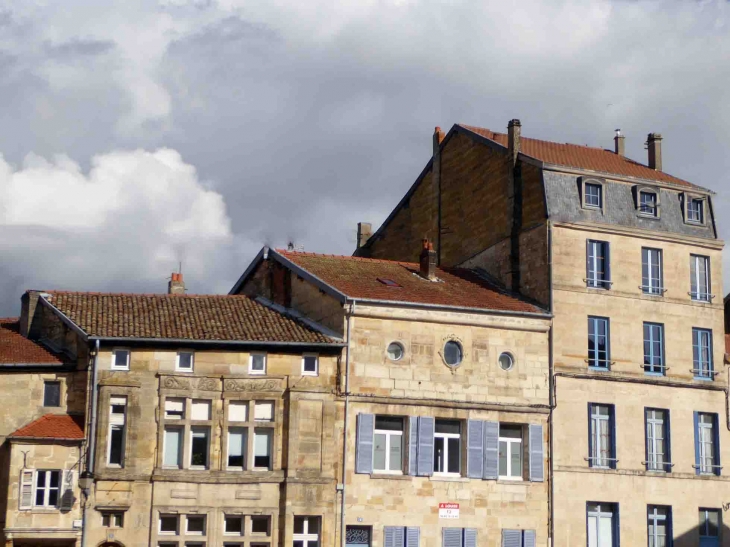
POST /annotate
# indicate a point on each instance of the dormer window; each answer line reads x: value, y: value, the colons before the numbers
x: 593, y: 196
x: 696, y: 210
x: 648, y: 203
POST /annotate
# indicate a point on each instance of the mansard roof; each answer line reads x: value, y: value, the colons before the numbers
x: 367, y: 279
x: 600, y: 160
x: 17, y: 350
x: 194, y: 318
x: 62, y: 427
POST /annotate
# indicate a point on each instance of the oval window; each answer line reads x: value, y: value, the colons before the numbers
x: 452, y: 353
x: 506, y: 361
x: 395, y: 351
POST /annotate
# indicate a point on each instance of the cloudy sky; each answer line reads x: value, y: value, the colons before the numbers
x: 136, y: 135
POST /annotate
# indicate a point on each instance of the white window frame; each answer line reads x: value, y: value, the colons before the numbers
x: 180, y: 446
x: 446, y: 437
x: 251, y: 518
x: 234, y: 534
x: 652, y: 268
x: 195, y: 429
x: 47, y: 383
x: 656, y: 518
x: 603, y: 511
x: 601, y: 456
x: 510, y: 441
x: 205, y: 525
x: 305, y: 537
x: 159, y: 524
x: 706, y: 440
x: 47, y: 488
x: 174, y: 418
x: 601, y: 196
x: 316, y: 364
x: 116, y: 423
x: 655, y: 427
x: 116, y: 519
x: 250, y: 362
x: 178, y: 368
x: 269, y: 431
x: 639, y: 205
x: 702, y: 211
x: 388, y: 433
x: 243, y: 431
x: 698, y: 279
x: 113, y: 365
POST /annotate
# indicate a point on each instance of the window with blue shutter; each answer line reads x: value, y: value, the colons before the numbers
x: 452, y: 537
x: 700, y: 278
x: 707, y: 444
x: 364, y: 445
x: 529, y: 538
x: 601, y: 436
x: 652, y: 278
x: 426, y: 427
x: 702, y: 354
x: 491, y: 450
x: 475, y: 449
x: 413, y: 536
x: 658, y: 447
x: 654, y: 349
x: 537, y: 473
x: 599, y: 354
x: 470, y: 537
x: 413, y: 445
x: 598, y: 264
x: 399, y: 536
x: 511, y: 538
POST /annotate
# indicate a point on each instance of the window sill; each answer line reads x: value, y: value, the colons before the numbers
x: 257, y: 372
x: 394, y: 476
x: 448, y: 478
x: 648, y: 216
x: 511, y: 480
x: 310, y: 374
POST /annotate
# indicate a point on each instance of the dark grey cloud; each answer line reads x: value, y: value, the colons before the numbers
x: 309, y: 117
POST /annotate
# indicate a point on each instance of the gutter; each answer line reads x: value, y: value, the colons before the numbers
x: 342, y: 487
x: 92, y: 437
x: 551, y: 393
x: 193, y: 342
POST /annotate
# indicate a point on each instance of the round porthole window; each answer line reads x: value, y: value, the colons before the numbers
x: 506, y: 361
x: 395, y: 351
x: 453, y: 353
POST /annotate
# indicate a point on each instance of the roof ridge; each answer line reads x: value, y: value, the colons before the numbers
x: 347, y: 257
x: 147, y: 295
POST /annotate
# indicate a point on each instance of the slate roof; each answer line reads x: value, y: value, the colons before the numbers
x: 224, y: 318
x: 581, y: 157
x: 16, y: 349
x: 53, y: 426
x: 360, y: 278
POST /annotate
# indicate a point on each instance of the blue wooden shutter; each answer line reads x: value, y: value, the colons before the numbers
x: 667, y: 442
x: 389, y: 536
x: 647, y: 452
x: 697, y: 442
x: 511, y: 538
x: 588, y: 262
x: 412, y: 445
x: 399, y: 536
x: 530, y: 538
x: 425, y: 446
x: 491, y: 450
x: 537, y: 473
x: 607, y: 264
x: 612, y: 430
x: 365, y: 434
x: 475, y: 449
x: 470, y: 537
x: 716, y: 444
x: 591, y: 462
x: 413, y: 536
x: 451, y: 537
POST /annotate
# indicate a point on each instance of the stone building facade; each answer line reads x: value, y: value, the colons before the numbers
x: 627, y: 259
x: 444, y: 398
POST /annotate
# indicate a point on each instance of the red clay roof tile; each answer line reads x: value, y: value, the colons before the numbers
x: 360, y: 278
x: 189, y: 317
x: 581, y: 157
x: 53, y: 426
x: 17, y: 349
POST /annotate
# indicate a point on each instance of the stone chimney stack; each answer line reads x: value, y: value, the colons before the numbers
x: 513, y: 133
x: 364, y: 231
x: 176, y: 284
x: 654, y: 144
x: 428, y: 261
x: 438, y: 137
x: 619, y: 143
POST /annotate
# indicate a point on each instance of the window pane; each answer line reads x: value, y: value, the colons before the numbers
x: 196, y: 524
x: 238, y: 411
x: 258, y: 362
x: 116, y: 443
x: 199, y: 447
x: 236, y: 446
x: 174, y: 409
x: 185, y: 360
x: 510, y: 431
x: 200, y: 410
x: 260, y: 525
x: 234, y: 525
x: 439, y: 455
x: 299, y: 525
x: 264, y: 411
x: 121, y: 358
x: 168, y: 524
x: 396, y: 452
x: 379, y: 452
x: 503, y: 458
x: 448, y: 426
x: 516, y: 459
x: 454, y: 456
x: 172, y: 448
x: 52, y: 394
x: 713, y: 523
x: 310, y: 363
x: 452, y: 353
x: 389, y: 423
x: 262, y: 448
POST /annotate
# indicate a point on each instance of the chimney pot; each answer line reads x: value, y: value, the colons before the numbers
x: 654, y: 144
x: 364, y: 231
x: 514, y: 129
x: 176, y: 284
x: 619, y: 142
x: 428, y: 261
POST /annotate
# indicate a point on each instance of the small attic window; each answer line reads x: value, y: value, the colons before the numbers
x: 388, y: 282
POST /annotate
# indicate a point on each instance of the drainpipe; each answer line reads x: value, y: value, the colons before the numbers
x: 552, y: 394
x: 92, y: 439
x: 350, y: 313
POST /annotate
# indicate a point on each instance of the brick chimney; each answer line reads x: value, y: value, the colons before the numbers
x: 619, y: 143
x: 428, y: 261
x: 364, y: 231
x: 654, y: 144
x: 513, y: 133
x: 438, y: 137
x: 176, y: 284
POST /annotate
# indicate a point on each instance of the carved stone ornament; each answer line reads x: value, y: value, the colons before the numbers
x: 251, y: 385
x: 173, y: 382
x: 208, y: 384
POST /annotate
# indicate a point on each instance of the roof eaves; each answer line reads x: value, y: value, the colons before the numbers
x: 305, y: 274
x: 189, y: 341
x: 423, y: 305
x: 260, y: 257
x: 294, y: 314
x: 73, y: 326
x: 13, y: 438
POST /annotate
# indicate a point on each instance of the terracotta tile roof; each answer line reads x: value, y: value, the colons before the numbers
x: 188, y: 317
x: 367, y: 278
x: 582, y: 157
x: 53, y: 426
x: 16, y: 349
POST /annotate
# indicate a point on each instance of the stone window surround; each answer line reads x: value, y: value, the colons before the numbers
x: 248, y: 537
x: 686, y: 197
x: 598, y: 182
x: 186, y: 424
x: 106, y: 392
x: 61, y: 391
x: 219, y: 390
x: 192, y: 361
x: 637, y: 201
x: 181, y: 537
x: 112, y: 361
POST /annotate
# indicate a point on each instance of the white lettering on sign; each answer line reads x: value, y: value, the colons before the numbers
x: 448, y: 510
